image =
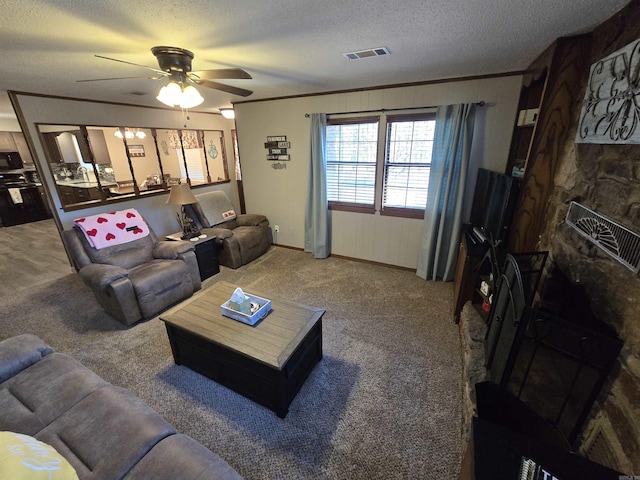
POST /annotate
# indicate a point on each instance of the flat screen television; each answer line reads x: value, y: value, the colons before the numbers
x: 494, y: 202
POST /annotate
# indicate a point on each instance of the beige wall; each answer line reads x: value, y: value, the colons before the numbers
x: 161, y: 217
x: 281, y: 194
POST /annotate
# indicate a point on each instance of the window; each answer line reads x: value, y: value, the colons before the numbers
x: 351, y: 154
x: 407, y: 164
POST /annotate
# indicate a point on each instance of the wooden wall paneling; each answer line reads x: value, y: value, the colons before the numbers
x: 563, y: 94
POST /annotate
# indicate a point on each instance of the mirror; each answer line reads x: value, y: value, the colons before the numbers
x: 95, y: 164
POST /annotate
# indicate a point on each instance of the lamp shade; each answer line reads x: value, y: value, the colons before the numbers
x: 190, y: 97
x: 181, y: 195
x: 170, y: 94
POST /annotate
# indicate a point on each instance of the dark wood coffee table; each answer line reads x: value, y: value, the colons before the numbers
x: 267, y: 362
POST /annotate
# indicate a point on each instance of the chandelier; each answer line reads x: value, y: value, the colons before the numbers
x: 130, y: 133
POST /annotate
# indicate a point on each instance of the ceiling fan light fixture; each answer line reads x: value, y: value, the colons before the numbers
x: 173, y: 95
x: 190, y: 97
x: 170, y: 94
x: 228, y: 113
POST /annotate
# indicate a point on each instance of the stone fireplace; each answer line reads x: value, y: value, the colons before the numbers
x: 606, y: 179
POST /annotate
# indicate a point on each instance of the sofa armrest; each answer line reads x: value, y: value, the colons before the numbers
x: 100, y: 276
x: 250, y: 219
x: 19, y: 352
x: 180, y: 456
x: 220, y: 233
x: 78, y: 255
x: 171, y: 250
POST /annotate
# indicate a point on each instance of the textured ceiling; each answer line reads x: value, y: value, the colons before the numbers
x: 290, y: 47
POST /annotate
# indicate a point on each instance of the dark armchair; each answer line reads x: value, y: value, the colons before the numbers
x: 242, y: 237
x: 138, y: 279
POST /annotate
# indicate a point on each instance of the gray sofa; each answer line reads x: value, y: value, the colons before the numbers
x: 242, y: 237
x: 138, y: 279
x: 103, y: 431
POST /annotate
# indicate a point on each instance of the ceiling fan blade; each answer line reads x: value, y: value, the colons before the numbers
x: 130, y: 63
x: 222, y: 73
x: 222, y: 87
x: 120, y: 78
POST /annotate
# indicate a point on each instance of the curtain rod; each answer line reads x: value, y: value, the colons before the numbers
x: 382, y: 110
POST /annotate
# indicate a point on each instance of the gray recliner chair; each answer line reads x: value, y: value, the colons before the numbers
x: 242, y: 238
x: 138, y: 279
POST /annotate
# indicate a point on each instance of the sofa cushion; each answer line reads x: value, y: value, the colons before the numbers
x: 106, y: 433
x: 251, y: 241
x: 250, y: 219
x: 20, y: 352
x: 126, y: 255
x: 38, y: 395
x: 160, y: 283
x: 180, y: 456
x: 195, y: 213
x: 216, y: 208
x: 24, y: 458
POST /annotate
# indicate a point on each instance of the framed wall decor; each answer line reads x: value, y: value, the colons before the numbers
x: 136, y: 150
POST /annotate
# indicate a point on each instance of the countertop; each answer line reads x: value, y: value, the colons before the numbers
x: 81, y: 184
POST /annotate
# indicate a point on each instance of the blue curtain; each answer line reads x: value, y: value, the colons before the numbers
x: 443, y: 216
x: 316, y: 218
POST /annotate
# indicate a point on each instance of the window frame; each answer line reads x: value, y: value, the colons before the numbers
x: 354, y: 206
x: 404, y: 212
x: 97, y: 194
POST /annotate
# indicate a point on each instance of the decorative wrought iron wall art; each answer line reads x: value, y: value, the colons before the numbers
x: 611, y: 107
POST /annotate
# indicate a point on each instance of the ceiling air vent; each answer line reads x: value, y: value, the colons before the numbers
x: 616, y: 240
x: 372, y: 52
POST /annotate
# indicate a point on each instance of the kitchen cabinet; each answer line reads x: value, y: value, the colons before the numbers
x: 99, y: 148
x: 51, y: 148
x: 15, y: 142
x: 45, y: 202
x: 22, y: 148
x: 62, y: 147
x: 7, y: 143
x: 69, y: 194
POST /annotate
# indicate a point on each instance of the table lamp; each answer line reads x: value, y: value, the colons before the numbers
x: 181, y: 195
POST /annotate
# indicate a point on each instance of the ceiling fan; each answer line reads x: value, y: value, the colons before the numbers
x: 175, y: 64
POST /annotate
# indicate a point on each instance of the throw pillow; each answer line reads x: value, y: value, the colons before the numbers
x: 24, y: 457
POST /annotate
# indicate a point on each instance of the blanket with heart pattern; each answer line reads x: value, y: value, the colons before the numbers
x: 112, y: 228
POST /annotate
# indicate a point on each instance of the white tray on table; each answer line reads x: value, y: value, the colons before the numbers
x: 265, y: 308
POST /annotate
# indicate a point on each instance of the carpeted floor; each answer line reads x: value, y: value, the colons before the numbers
x: 383, y: 403
x: 31, y: 253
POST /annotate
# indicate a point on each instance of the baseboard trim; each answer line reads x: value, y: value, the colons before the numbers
x: 353, y: 259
